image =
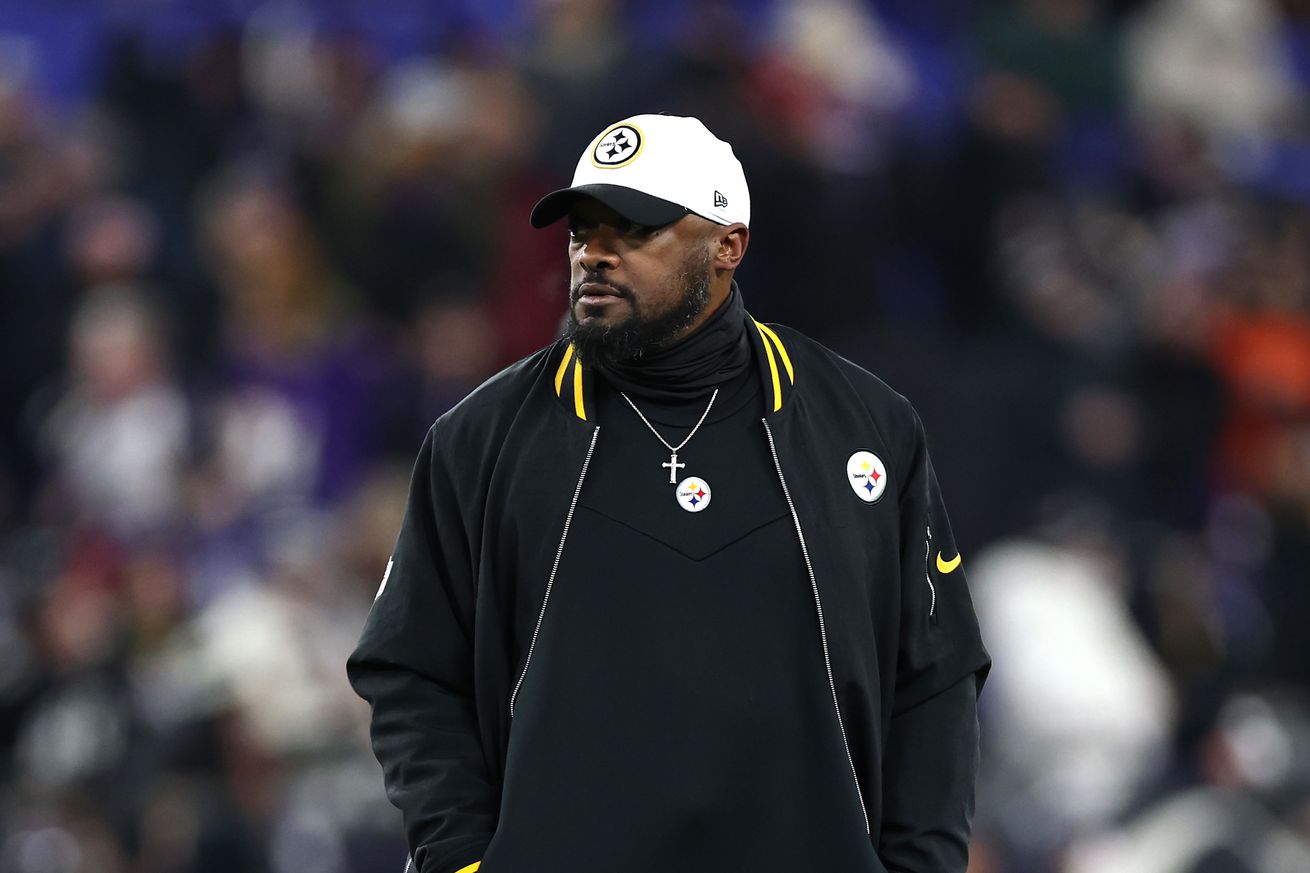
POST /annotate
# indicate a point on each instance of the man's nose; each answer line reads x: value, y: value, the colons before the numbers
x: 599, y: 249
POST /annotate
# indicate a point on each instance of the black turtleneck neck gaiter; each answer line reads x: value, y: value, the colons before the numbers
x: 717, y: 355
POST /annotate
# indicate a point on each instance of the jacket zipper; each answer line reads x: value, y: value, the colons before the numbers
x: 823, y: 633
x: 568, y: 519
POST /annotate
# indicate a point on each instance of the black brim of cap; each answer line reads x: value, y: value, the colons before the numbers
x: 636, y: 206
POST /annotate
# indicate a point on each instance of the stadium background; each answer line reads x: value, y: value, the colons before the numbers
x: 248, y: 251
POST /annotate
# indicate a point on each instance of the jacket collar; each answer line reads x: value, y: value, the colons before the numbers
x: 574, y: 382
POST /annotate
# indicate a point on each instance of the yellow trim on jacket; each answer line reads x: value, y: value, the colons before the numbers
x: 559, y: 374
x: 770, y: 339
x: 577, y: 391
x: 579, y: 408
x: 782, y: 350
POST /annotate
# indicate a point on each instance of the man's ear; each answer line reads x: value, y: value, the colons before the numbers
x: 731, y: 246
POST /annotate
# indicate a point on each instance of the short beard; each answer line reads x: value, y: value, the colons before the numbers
x: 639, y: 335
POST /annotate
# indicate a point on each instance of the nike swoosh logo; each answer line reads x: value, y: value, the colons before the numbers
x: 947, y: 566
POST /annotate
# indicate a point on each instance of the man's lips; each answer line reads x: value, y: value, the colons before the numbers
x: 596, y: 292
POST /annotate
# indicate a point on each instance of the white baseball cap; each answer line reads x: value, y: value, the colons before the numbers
x: 653, y: 169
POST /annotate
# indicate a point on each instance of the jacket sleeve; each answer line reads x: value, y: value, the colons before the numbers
x: 414, y: 665
x: 931, y: 758
x: 930, y: 765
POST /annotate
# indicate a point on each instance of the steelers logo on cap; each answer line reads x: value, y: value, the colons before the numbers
x: 617, y: 147
x: 867, y: 476
x: 693, y: 494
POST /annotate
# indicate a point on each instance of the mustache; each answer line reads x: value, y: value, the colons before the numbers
x: 575, y: 290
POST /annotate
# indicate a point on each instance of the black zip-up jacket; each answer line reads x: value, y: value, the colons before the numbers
x: 449, y: 644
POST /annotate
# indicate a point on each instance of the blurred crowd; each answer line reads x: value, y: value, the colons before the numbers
x: 248, y: 255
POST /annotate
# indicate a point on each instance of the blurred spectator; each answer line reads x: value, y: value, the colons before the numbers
x: 1215, y: 64
x: 1245, y: 820
x: 302, y: 390
x: 119, y: 434
x: 580, y: 67
x: 1082, y: 710
x: 1262, y: 346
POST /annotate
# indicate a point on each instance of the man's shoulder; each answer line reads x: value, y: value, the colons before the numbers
x: 825, y: 370
x: 499, y: 398
x: 840, y: 393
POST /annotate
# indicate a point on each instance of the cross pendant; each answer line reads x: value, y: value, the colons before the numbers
x: 673, y: 466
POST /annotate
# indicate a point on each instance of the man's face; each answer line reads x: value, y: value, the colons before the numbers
x: 634, y: 289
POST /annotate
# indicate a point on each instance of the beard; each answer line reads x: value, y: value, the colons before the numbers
x: 642, y: 332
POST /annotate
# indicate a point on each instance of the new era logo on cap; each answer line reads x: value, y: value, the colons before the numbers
x: 654, y: 169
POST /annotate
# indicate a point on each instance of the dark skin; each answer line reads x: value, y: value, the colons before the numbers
x: 644, y: 267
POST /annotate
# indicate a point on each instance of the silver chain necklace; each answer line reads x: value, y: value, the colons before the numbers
x: 673, y: 464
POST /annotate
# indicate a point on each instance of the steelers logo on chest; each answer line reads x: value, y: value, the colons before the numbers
x: 693, y: 494
x: 617, y: 147
x: 867, y: 476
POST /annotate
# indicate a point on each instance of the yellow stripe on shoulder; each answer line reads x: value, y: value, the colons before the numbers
x: 773, y: 368
x: 782, y: 350
x: 472, y: 868
x: 577, y: 391
x: 563, y: 365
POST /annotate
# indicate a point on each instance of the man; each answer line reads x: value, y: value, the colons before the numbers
x: 677, y: 592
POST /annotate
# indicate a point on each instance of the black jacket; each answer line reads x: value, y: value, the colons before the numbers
x: 451, y: 637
